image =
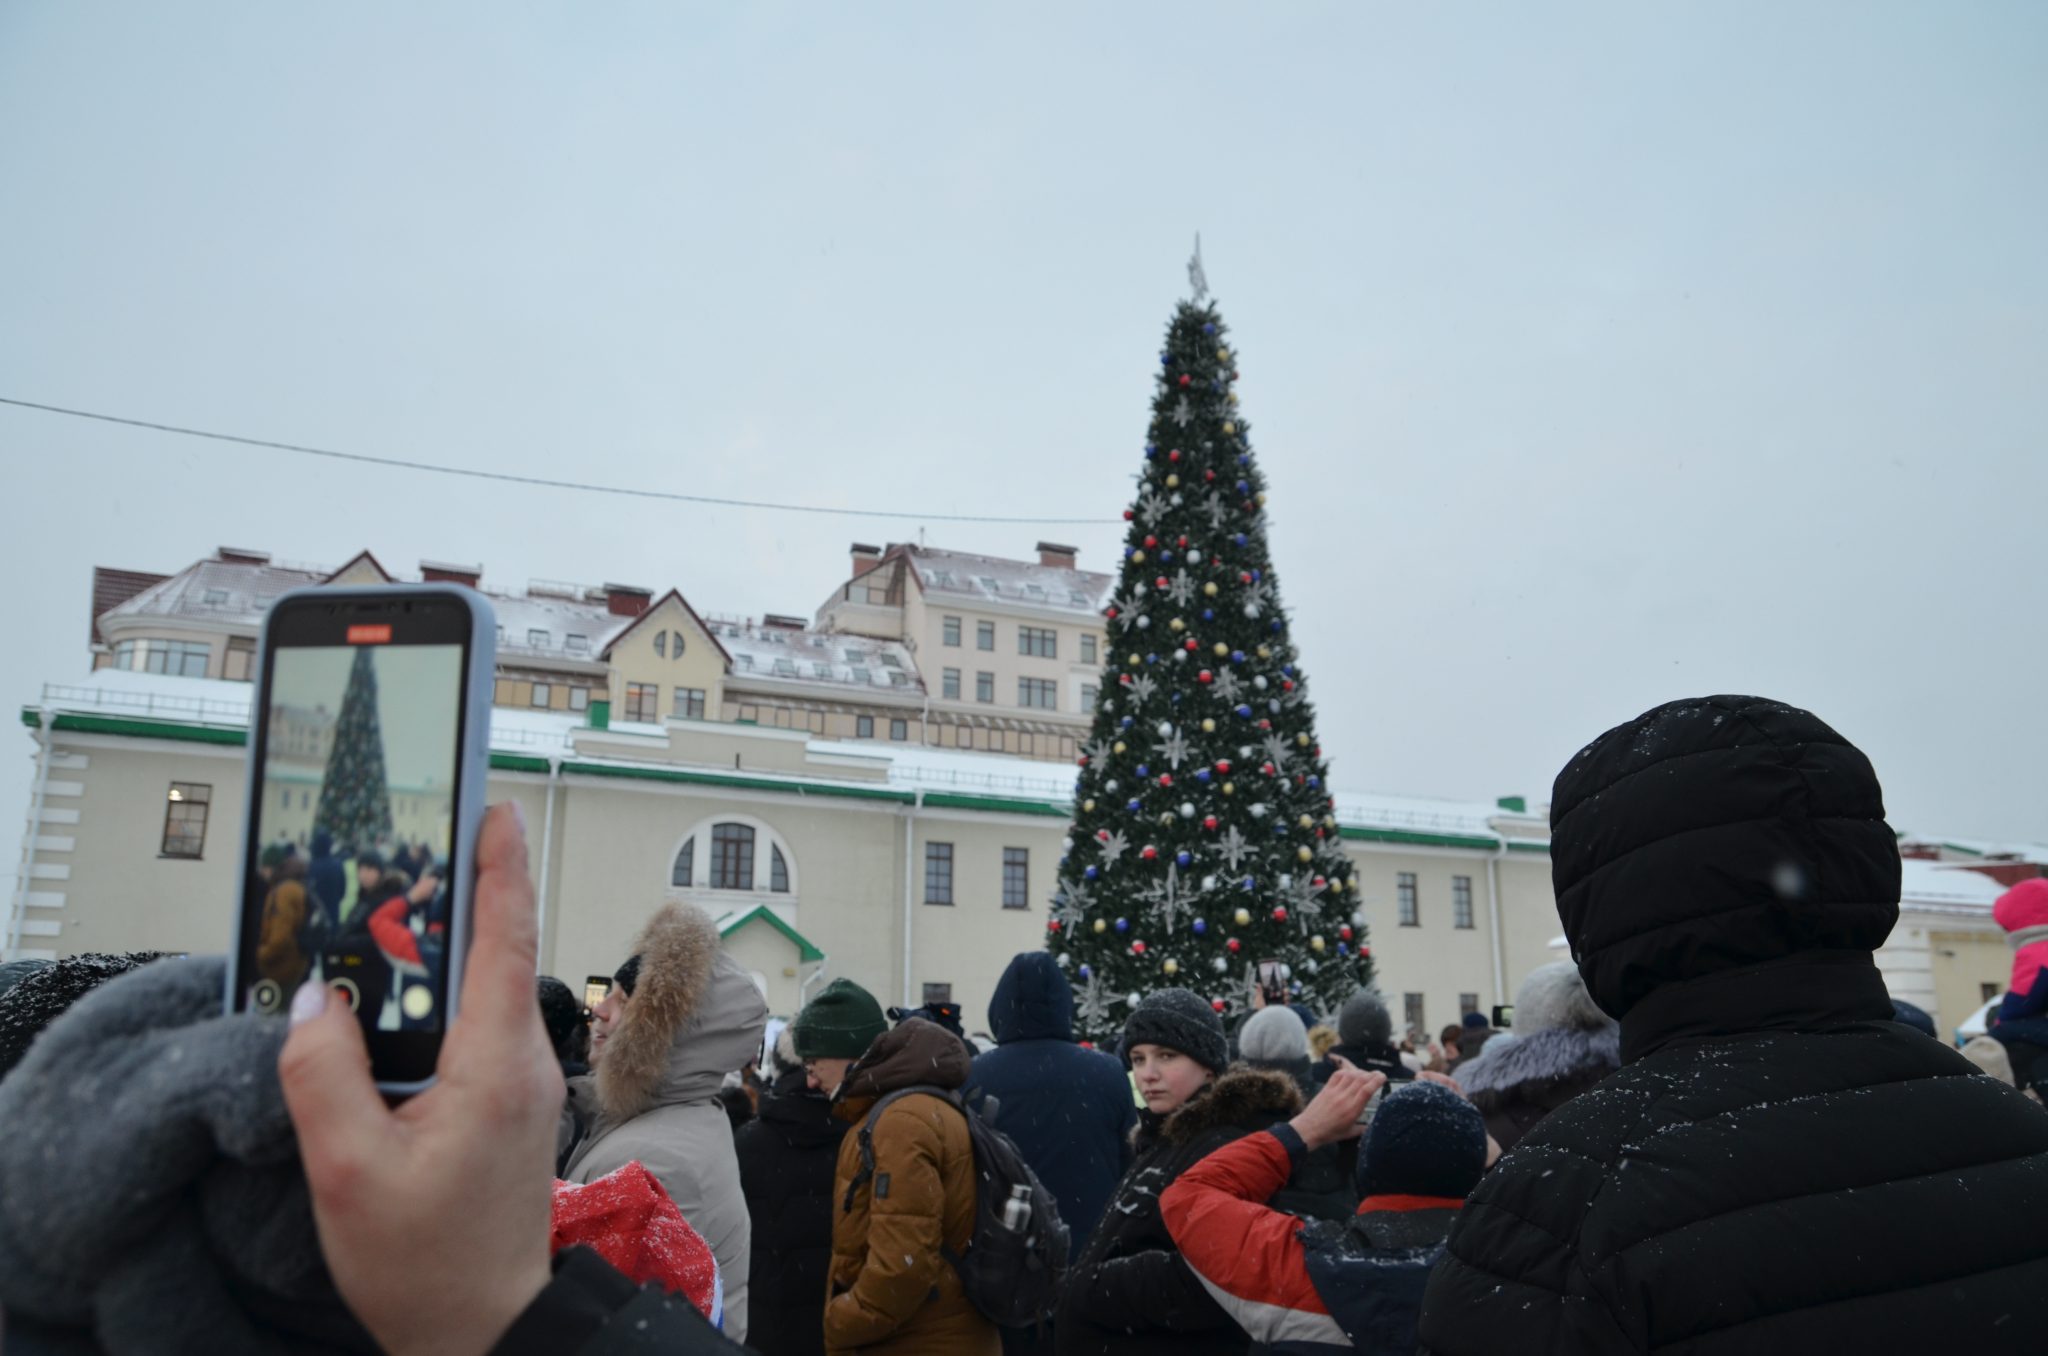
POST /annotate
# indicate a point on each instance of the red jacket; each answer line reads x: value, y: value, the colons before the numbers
x: 1255, y: 1260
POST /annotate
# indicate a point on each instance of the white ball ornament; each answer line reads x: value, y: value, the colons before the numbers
x: 1165, y: 728
x: 1137, y: 590
x: 1251, y: 610
x: 1194, y: 557
x: 1064, y: 959
x: 1180, y: 656
x: 1208, y: 882
x: 1260, y: 682
x: 1136, y: 998
x: 1187, y: 809
x: 1109, y: 785
x: 1144, y: 623
x: 1259, y: 810
x: 1220, y: 965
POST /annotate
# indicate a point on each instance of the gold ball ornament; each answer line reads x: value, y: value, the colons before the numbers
x: 1177, y: 624
x: 1265, y: 653
x: 1102, y: 925
x: 1233, y: 397
x: 1138, y: 556
x: 1118, y: 747
x: 1222, y: 650
x: 1171, y: 966
x: 1222, y: 355
x: 1315, y: 943
x: 1136, y: 660
x: 1088, y: 807
x: 1242, y: 916
x: 1229, y: 427
x: 1208, y: 725
x: 1230, y: 788
x: 1304, y: 855
x: 1209, y: 589
x: 1173, y: 482
x: 1302, y: 739
x: 1307, y: 822
x: 1260, y: 498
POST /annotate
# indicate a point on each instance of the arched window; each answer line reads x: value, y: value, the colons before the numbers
x: 686, y: 861
x: 732, y: 857
x: 778, y: 871
x: 661, y: 644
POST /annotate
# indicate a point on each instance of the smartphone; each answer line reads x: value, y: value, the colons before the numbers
x: 596, y: 988
x: 1372, y: 1105
x: 1503, y: 1016
x: 367, y: 754
x: 1272, y: 981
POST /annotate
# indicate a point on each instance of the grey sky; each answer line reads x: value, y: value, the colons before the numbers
x: 1597, y: 355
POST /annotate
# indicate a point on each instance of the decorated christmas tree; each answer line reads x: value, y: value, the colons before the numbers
x: 355, y: 796
x: 1204, y: 840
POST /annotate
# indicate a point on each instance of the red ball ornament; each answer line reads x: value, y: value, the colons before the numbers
x: 1102, y: 835
x: 1110, y: 613
x: 1223, y: 766
x: 1174, y: 455
x: 1081, y: 761
x: 1052, y: 925
x: 1151, y: 541
x: 1344, y: 932
x: 1319, y: 882
x: 1266, y: 768
x: 1365, y: 951
x: 1166, y: 779
x: 1280, y: 913
x: 1190, y: 644
x: 1287, y: 685
x: 1205, y: 677
x: 1137, y: 948
x: 1233, y: 945
x: 1128, y: 515
x: 1265, y: 725
x: 1149, y: 853
x: 1209, y: 823
x: 1244, y: 578
x: 1216, y: 1004
x: 1183, y: 543
x: 1206, y: 475
x: 1161, y: 582
x: 1185, y: 379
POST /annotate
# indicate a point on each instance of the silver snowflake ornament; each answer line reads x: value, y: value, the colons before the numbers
x: 1218, y: 514
x: 1143, y: 688
x: 1093, y: 1004
x: 1278, y: 753
x: 1232, y: 847
x: 1174, y: 749
x: 1169, y: 901
x: 1181, y: 589
x: 1070, y: 904
x: 1114, y: 846
x: 1183, y: 413
x: 1228, y: 686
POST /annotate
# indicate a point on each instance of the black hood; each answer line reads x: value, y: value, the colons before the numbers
x: 1705, y: 845
x: 1032, y: 1002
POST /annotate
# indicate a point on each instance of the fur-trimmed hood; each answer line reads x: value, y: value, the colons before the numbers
x: 1552, y: 1056
x: 694, y: 1017
x: 1242, y: 1097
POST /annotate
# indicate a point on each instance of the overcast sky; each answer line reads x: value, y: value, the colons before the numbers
x: 1597, y: 355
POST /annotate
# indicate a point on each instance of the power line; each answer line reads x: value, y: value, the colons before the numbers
x: 508, y: 478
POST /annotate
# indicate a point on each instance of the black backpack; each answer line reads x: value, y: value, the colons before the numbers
x: 1012, y: 1278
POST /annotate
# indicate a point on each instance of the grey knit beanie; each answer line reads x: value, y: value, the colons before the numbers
x: 1273, y: 1036
x: 1179, y: 1020
x: 1364, y: 1020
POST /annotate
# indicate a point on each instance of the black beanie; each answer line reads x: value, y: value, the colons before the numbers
x: 1181, y: 1021
x: 1425, y: 1140
x: 1364, y: 1020
x: 561, y: 1013
x: 628, y: 975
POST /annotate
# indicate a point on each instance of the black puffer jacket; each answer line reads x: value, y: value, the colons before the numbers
x: 787, y: 1157
x: 1778, y: 1167
x: 1131, y: 1293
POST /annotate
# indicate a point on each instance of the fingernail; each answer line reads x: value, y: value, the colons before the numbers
x: 518, y: 816
x: 309, y: 1002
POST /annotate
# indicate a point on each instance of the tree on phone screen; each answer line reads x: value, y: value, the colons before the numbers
x: 355, y: 794
x: 1203, y: 839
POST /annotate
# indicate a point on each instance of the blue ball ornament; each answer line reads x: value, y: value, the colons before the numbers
x: 1208, y: 328
x: 1256, y: 576
x: 1239, y: 539
x: 1244, y: 459
x: 1130, y: 551
x: 1144, y: 771
x: 1166, y: 557
x: 1244, y: 487
x: 1184, y: 858
x: 1277, y: 628
x: 1251, y: 882
x: 1201, y: 927
x: 1125, y: 723
x: 1208, y: 614
x: 1287, y: 670
x: 1343, y: 950
x: 1166, y: 360
x: 1092, y: 873
x: 1151, y: 659
x: 1123, y: 925
x: 1315, y: 781
x: 1202, y: 774
x: 1237, y: 656
x: 1244, y: 712
x: 1085, y: 971
x: 1134, y: 805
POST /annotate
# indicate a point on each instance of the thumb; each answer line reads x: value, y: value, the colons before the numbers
x: 325, y: 1072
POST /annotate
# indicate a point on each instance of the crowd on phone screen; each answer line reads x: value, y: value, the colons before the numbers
x: 1711, y: 1130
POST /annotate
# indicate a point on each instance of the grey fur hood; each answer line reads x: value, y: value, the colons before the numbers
x: 1541, y: 1057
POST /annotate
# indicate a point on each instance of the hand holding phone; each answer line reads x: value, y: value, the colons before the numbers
x: 1337, y: 1112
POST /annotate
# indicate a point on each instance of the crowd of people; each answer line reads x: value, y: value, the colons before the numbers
x: 1711, y: 1130
x: 376, y: 916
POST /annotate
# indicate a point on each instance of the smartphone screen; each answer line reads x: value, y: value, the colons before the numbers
x: 352, y: 849
x: 595, y: 987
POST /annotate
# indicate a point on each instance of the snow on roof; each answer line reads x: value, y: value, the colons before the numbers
x: 1019, y: 581
x: 794, y: 654
x: 1946, y: 886
x: 552, y: 624
x: 1987, y: 848
x: 217, y: 590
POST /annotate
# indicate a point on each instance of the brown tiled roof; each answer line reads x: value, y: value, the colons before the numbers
x: 111, y: 588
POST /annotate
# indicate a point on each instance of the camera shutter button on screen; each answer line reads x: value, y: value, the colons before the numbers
x: 349, y: 991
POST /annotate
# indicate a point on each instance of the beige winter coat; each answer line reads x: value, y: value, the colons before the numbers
x: 693, y: 1018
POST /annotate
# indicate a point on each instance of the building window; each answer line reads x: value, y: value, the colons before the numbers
x: 576, y: 644
x: 1088, y: 649
x: 899, y: 730
x: 1039, y: 692
x: 579, y: 699
x: 686, y: 862
x: 951, y: 627
x: 732, y: 857
x: 949, y: 684
x: 985, y: 635
x: 1990, y: 993
x: 1461, y: 905
x: 938, y: 993
x: 661, y: 644
x: 864, y: 727
x: 995, y: 741
x: 938, y: 873
x: 675, y: 645
x: 690, y: 703
x: 984, y: 687
x: 1016, y: 878
x: 1412, y: 1013
x: 239, y: 663
x: 542, y: 693
x: 1468, y: 1003
x: 1091, y: 696
x: 178, y: 658
x: 185, y: 819
x: 778, y: 871
x: 643, y: 701
x: 537, y: 638
x: 1404, y: 892
x: 1040, y: 641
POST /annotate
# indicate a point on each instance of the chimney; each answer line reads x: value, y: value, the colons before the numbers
x: 865, y: 558
x: 1514, y: 805
x: 470, y: 576
x: 1054, y: 554
x: 235, y: 555
x: 775, y: 621
x: 625, y: 600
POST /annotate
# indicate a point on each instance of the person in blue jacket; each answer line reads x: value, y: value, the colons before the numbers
x: 1068, y: 1110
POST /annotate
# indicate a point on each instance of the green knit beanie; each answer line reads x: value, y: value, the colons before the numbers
x: 840, y: 1023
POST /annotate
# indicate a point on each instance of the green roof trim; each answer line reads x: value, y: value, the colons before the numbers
x: 1458, y: 840
x: 741, y: 782
x: 518, y: 762
x: 954, y: 800
x: 1529, y: 845
x: 805, y: 950
x: 137, y: 727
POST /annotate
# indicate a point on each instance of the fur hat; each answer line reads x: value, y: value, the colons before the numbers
x: 1364, y: 1020
x: 1180, y: 1020
x: 1554, y: 997
x: 1425, y: 1140
x: 1273, y: 1036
